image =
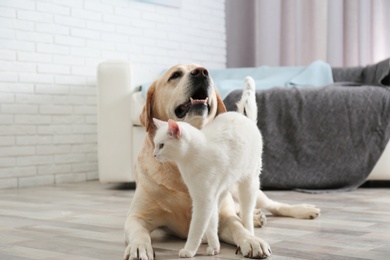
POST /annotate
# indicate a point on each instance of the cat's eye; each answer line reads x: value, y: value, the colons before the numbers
x: 160, y: 146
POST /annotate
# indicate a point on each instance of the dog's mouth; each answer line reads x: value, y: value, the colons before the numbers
x: 198, y: 102
x: 196, y: 105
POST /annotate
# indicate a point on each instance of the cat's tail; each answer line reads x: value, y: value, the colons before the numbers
x: 247, y: 105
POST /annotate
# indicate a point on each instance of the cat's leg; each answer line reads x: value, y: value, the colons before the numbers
x: 202, y: 210
x: 259, y: 217
x: 233, y: 232
x: 247, y: 191
x: 212, y: 234
x: 305, y: 211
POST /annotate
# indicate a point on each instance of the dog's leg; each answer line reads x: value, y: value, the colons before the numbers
x: 138, y: 229
x: 139, y: 245
x: 305, y: 211
x: 233, y: 232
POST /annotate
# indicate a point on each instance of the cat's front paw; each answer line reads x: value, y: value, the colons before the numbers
x: 213, y: 250
x: 184, y: 253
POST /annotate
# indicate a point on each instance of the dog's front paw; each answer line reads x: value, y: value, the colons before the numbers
x: 184, y: 253
x: 305, y: 211
x: 259, y: 218
x: 254, y: 247
x: 139, y: 252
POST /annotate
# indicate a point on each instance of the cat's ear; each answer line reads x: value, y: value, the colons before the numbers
x: 159, y: 123
x: 173, y: 129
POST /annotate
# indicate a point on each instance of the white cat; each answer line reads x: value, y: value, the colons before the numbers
x: 225, y: 153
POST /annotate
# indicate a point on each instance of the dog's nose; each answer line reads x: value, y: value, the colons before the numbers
x: 200, y: 72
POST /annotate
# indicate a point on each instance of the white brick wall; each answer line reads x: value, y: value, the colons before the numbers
x: 49, y: 51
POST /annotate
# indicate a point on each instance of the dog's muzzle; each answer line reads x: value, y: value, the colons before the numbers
x: 198, y: 101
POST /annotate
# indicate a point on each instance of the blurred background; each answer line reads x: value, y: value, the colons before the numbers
x: 50, y: 50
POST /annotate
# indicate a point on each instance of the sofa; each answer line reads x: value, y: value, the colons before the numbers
x: 120, y: 134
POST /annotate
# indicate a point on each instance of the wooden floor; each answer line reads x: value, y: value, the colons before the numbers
x: 85, y: 221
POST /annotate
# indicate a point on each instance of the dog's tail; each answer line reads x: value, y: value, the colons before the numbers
x: 247, y: 105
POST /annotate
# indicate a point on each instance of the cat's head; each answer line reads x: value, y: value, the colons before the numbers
x: 167, y: 145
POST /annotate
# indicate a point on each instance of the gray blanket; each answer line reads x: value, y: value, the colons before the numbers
x: 320, y: 138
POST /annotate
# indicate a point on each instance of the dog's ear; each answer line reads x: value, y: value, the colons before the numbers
x: 146, y: 117
x: 159, y: 123
x: 220, y: 105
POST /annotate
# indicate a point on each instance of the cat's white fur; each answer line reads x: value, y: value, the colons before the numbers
x: 223, y: 154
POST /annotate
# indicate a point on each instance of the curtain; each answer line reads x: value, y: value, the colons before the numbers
x: 298, y: 32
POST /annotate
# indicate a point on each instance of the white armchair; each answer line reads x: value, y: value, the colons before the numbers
x: 120, y: 134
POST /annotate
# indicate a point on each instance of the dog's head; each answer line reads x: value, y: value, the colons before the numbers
x: 183, y: 93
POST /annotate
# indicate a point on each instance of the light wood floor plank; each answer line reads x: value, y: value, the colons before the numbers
x: 85, y: 221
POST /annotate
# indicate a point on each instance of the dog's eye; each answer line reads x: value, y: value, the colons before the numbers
x: 175, y: 75
x: 160, y: 146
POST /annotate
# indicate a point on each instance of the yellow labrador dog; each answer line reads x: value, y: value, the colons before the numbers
x: 186, y: 93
